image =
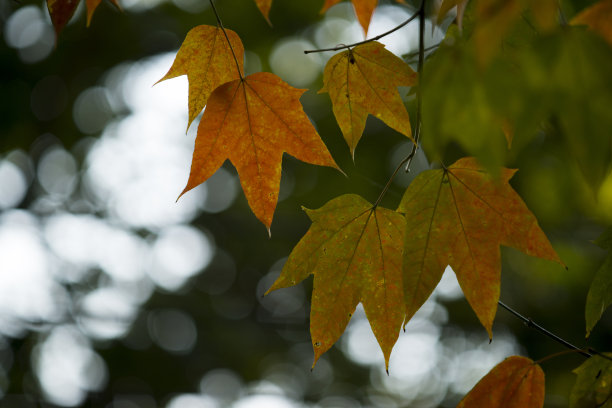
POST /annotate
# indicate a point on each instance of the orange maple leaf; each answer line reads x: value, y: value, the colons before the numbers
x: 459, y: 216
x: 598, y: 18
x: 363, y: 81
x: 208, y: 61
x: 264, y: 6
x: 354, y: 251
x: 516, y: 382
x: 363, y: 9
x: 251, y: 122
x: 61, y: 11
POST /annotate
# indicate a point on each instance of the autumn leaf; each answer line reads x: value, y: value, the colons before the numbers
x: 598, y: 18
x: 593, y: 387
x: 208, y: 61
x: 516, y: 382
x: 61, y: 11
x: 599, y: 297
x: 354, y: 252
x: 363, y: 9
x: 264, y: 7
x: 459, y: 216
x: 363, y: 81
x: 251, y: 122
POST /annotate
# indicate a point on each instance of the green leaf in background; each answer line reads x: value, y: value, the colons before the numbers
x: 593, y: 387
x: 600, y: 292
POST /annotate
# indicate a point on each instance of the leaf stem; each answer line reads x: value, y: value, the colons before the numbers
x: 227, y: 38
x: 419, y: 92
x: 378, y: 37
x: 530, y: 323
x: 408, y: 159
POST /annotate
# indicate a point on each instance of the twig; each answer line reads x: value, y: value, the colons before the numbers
x: 378, y: 37
x: 419, y: 95
x: 227, y: 38
x: 408, y: 159
x: 530, y: 323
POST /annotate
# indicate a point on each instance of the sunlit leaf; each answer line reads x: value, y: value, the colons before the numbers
x: 363, y: 9
x: 593, y: 387
x: 264, y: 6
x: 516, y: 382
x: 354, y: 252
x: 459, y: 216
x: 364, y: 81
x: 207, y: 60
x: 252, y: 122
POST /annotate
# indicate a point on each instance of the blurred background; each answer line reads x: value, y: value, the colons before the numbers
x: 114, y: 295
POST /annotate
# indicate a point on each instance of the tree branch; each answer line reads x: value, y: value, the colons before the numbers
x: 378, y: 37
x: 530, y: 323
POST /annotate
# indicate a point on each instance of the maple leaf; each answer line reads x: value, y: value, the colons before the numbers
x: 363, y: 9
x: 251, y: 122
x: 208, y: 61
x: 363, y: 81
x: 264, y: 6
x: 459, y: 216
x: 599, y: 297
x: 593, y: 387
x: 598, y: 18
x: 354, y: 252
x: 61, y: 11
x: 516, y: 382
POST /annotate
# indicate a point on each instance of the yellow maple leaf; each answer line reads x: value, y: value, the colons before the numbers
x: 363, y: 81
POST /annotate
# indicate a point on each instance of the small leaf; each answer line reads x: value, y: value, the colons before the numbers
x: 208, y: 62
x: 599, y: 297
x: 593, y: 388
x: 598, y: 18
x: 363, y: 9
x: 252, y: 122
x: 364, y: 81
x: 264, y: 6
x: 516, y: 382
x: 61, y: 11
x: 354, y: 252
x: 459, y: 216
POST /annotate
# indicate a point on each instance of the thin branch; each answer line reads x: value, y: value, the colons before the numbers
x: 408, y: 159
x: 227, y: 38
x: 419, y: 95
x: 416, y: 53
x: 530, y: 323
x: 378, y: 37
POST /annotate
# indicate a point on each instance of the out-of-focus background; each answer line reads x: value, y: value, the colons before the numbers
x: 114, y: 295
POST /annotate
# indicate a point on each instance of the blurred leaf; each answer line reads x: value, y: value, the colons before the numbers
x: 459, y: 216
x: 598, y: 18
x: 354, y: 251
x: 599, y: 297
x: 516, y: 382
x: 208, y: 62
x: 447, y: 5
x: 363, y: 81
x: 252, y: 121
x: 593, y: 388
x: 61, y: 11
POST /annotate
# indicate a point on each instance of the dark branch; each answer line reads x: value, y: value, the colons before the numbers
x: 378, y: 37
